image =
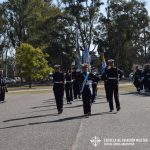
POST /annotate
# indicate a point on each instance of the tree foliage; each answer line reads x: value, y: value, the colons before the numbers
x: 123, y: 32
x: 32, y: 62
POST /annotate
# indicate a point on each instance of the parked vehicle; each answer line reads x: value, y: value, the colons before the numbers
x: 10, y: 81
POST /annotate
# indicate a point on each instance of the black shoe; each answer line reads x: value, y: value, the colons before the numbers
x: 118, y: 108
x: 93, y: 101
x: 60, y: 112
x: 70, y: 103
x: 86, y: 115
x: 111, y: 110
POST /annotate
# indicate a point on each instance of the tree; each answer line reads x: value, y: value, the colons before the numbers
x: 83, y: 16
x: 31, y: 62
x: 122, y: 31
x: 25, y: 19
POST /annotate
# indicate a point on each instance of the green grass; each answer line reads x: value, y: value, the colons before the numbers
x: 48, y: 89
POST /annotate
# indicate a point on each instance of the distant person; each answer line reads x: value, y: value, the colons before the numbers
x: 103, y: 77
x: 58, y: 88
x: 86, y: 89
x: 68, y: 87
x: 113, y: 75
x: 76, y: 82
x: 94, y: 84
x: 3, y: 87
x: 137, y: 77
x: 146, y: 77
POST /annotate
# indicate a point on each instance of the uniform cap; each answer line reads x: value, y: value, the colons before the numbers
x: 78, y: 70
x: 85, y: 66
x: 56, y: 66
x: 111, y: 60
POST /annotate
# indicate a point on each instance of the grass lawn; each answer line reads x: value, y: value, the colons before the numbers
x: 48, y: 89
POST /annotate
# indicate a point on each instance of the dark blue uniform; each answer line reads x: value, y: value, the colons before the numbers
x: 76, y: 84
x: 112, y: 75
x: 58, y: 88
x: 3, y: 89
x: 68, y: 88
x: 146, y: 79
x: 137, y: 80
x: 87, y: 93
x: 104, y: 78
x: 94, y: 86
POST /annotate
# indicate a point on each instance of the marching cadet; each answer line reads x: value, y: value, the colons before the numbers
x: 3, y: 87
x: 138, y: 79
x: 103, y: 77
x: 58, y: 88
x: 76, y: 83
x: 146, y: 77
x: 86, y: 90
x: 78, y: 75
x: 68, y: 87
x: 113, y: 74
x: 94, y: 84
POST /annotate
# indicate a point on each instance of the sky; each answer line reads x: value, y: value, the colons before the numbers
x: 147, y: 4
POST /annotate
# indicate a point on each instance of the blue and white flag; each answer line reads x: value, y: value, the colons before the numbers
x: 104, y: 65
x: 86, y: 56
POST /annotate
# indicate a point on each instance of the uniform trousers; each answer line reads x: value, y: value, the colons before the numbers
x: 68, y: 89
x: 59, y: 93
x: 113, y: 91
x: 86, y: 97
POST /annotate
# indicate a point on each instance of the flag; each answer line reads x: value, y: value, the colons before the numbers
x: 104, y: 65
x: 86, y: 56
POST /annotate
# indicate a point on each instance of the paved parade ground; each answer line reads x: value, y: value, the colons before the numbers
x: 29, y: 121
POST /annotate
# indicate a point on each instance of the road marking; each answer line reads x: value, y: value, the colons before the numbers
x: 79, y: 134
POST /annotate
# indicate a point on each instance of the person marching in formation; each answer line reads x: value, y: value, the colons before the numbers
x: 146, y: 77
x: 3, y: 87
x: 58, y: 88
x: 113, y: 75
x: 94, y: 84
x: 138, y: 79
x: 76, y: 82
x: 86, y: 90
x: 103, y: 77
x: 68, y: 87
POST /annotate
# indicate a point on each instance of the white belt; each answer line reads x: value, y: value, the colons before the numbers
x: 59, y: 82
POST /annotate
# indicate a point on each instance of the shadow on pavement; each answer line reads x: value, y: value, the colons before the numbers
x: 30, y: 117
x: 42, y: 106
x: 49, y: 100
x: 137, y: 94
x: 55, y: 121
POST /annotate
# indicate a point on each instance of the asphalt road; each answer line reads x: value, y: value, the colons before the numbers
x: 31, y: 122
